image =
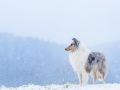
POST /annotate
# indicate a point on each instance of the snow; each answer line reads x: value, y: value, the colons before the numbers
x: 114, y: 86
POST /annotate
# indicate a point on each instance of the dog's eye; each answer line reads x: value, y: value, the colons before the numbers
x: 71, y: 44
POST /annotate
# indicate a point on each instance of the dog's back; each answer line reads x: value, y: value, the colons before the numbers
x: 96, y: 65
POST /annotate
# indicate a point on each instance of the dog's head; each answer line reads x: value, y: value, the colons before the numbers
x: 73, y: 46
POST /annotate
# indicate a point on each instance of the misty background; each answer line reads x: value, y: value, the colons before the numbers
x: 34, y: 34
x: 91, y: 21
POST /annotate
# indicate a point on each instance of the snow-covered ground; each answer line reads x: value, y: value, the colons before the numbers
x: 65, y: 87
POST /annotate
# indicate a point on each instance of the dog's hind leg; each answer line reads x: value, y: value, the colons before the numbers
x: 103, y: 78
x: 103, y: 81
x: 94, y: 77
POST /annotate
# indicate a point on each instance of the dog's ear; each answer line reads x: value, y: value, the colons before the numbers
x: 76, y: 44
x: 75, y: 40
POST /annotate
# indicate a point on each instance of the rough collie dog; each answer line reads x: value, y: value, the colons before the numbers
x: 85, y: 62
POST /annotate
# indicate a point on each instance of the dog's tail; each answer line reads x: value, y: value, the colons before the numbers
x: 104, y: 68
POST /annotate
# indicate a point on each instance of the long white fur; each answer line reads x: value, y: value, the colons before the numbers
x: 78, y: 59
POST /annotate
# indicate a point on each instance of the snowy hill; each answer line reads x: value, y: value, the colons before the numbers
x: 65, y: 87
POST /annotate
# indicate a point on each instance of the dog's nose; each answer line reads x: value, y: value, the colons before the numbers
x: 65, y: 48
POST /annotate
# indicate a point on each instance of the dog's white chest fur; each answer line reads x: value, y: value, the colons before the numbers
x: 78, y: 58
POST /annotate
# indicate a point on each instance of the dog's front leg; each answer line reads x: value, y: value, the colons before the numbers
x: 80, y: 78
x: 83, y: 78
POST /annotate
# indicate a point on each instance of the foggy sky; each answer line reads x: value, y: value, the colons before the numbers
x: 91, y: 21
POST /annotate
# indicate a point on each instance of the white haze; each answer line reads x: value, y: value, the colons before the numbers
x: 91, y: 21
